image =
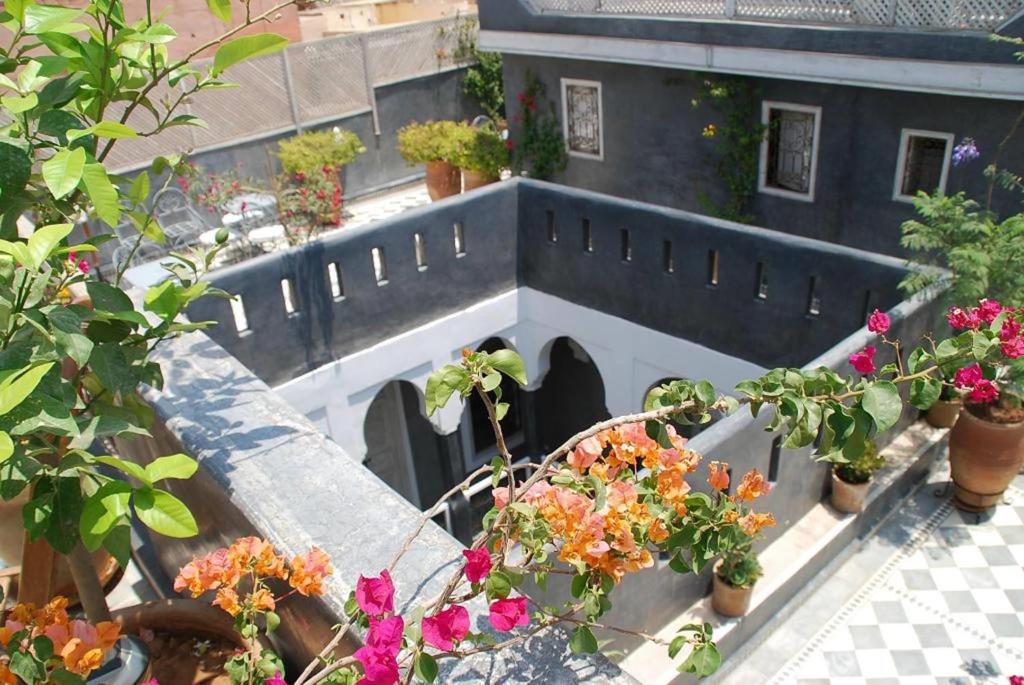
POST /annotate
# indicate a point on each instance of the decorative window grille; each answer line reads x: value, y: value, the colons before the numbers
x: 789, y: 151
x: 582, y: 118
x: 923, y: 163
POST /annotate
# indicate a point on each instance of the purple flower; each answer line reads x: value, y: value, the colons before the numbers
x: 966, y: 151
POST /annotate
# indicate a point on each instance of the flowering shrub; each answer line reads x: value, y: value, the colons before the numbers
x: 43, y: 645
x: 241, y: 576
x: 309, y: 203
x: 313, y: 150
x: 433, y: 141
x: 540, y: 150
x: 212, y: 191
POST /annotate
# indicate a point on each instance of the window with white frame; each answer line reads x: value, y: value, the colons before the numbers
x: 789, y: 151
x: 582, y: 118
x: 923, y: 163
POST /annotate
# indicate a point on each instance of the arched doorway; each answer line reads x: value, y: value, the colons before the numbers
x: 571, y: 398
x: 401, y: 446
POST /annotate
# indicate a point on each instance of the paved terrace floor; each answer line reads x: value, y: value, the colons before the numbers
x: 934, y: 596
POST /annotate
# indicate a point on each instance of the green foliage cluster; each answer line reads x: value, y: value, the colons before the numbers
x: 432, y: 141
x: 314, y: 150
x: 482, y: 150
x: 540, y: 151
x: 484, y: 83
x: 737, y: 138
x: 740, y: 567
x: 859, y: 469
x: 984, y: 257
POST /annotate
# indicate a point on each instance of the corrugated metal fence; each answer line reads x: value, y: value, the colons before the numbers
x: 306, y: 84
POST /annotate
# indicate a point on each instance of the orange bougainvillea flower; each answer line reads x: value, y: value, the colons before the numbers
x: 657, y: 533
x: 227, y: 599
x: 718, y: 475
x: 259, y: 556
x: 731, y: 516
x: 6, y: 677
x: 753, y: 522
x: 263, y: 600
x: 752, y: 486
x: 308, y: 572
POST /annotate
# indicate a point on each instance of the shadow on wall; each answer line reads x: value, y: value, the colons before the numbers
x: 571, y: 397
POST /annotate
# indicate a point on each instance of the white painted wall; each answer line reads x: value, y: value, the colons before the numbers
x: 630, y: 358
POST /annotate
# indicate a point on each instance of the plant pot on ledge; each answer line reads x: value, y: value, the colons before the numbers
x: 944, y: 413
x: 727, y: 599
x: 443, y: 180
x: 847, y: 497
x: 471, y: 180
x: 986, y: 451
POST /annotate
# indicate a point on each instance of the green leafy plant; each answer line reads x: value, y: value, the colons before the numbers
x: 740, y: 567
x: 540, y: 151
x: 482, y: 150
x: 737, y: 143
x: 433, y: 141
x: 314, y: 150
x: 485, y: 83
x: 859, y: 469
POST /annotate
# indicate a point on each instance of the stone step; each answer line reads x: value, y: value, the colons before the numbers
x: 801, y: 558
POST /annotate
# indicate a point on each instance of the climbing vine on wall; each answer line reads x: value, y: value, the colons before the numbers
x: 540, y: 150
x: 737, y: 137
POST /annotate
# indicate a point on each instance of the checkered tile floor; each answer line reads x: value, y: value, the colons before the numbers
x: 948, y: 608
x: 368, y: 211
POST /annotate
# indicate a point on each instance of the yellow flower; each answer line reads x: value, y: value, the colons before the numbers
x: 709, y: 131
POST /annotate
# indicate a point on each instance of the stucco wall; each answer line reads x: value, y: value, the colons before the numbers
x: 654, y: 150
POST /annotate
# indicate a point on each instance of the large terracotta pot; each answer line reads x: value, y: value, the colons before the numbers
x: 848, y: 498
x: 476, y: 179
x: 729, y: 600
x: 443, y: 180
x: 943, y: 414
x: 984, y: 457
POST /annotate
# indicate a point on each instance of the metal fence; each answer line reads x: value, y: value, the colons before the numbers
x: 985, y: 15
x: 306, y: 84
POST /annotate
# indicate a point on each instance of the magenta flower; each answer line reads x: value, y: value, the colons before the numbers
x: 507, y: 614
x: 379, y: 668
x: 277, y: 679
x: 878, y: 322
x: 962, y: 319
x: 444, y: 629
x: 1017, y: 680
x: 478, y: 564
x: 984, y: 392
x: 1013, y: 348
x: 864, y: 361
x: 988, y: 310
x: 968, y: 376
x: 386, y: 635
x: 376, y: 596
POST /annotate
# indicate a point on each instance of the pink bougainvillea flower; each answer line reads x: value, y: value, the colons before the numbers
x: 507, y: 614
x: 585, y: 454
x: 1013, y: 348
x: 1017, y: 680
x: 500, y: 497
x: 968, y: 376
x: 478, y: 564
x: 386, y: 635
x: 864, y: 361
x: 376, y: 596
x: 879, y: 322
x: 988, y: 310
x: 444, y: 629
x: 379, y: 668
x: 1010, y: 329
x: 277, y: 679
x: 962, y: 319
x: 984, y: 393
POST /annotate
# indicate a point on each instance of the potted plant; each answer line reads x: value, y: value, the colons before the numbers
x: 314, y: 151
x: 946, y: 410
x: 733, y: 582
x: 434, y: 144
x: 851, y: 480
x: 482, y: 155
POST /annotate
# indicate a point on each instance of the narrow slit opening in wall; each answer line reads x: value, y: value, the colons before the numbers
x: 334, y: 276
x: 668, y: 262
x: 459, y: 238
x: 627, y: 246
x: 773, y: 459
x: 813, y: 301
x: 588, y: 237
x: 713, y: 267
x: 761, y: 289
x: 866, y: 312
x: 289, y: 296
x: 552, y: 231
x: 238, y: 314
x: 380, y: 268
x: 421, y: 251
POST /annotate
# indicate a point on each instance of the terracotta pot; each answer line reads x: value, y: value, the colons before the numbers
x: 729, y: 600
x: 984, y: 457
x: 472, y: 180
x: 443, y: 180
x: 848, y: 498
x: 943, y: 414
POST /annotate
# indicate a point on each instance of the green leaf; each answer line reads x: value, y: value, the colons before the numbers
x: 491, y: 381
x: 6, y: 447
x: 441, y: 384
x: 498, y: 584
x: 63, y: 171
x: 425, y: 667
x: 273, y: 621
x: 17, y: 105
x: 103, y: 510
x: 102, y: 193
x: 882, y: 401
x: 703, y: 661
x: 500, y: 410
x: 946, y: 350
x: 247, y: 47
x: 163, y: 300
x: 579, y: 585
x: 220, y: 9
x: 119, y: 543
x: 18, y: 386
x: 510, y: 364
x: 43, y: 241
x: 105, y: 129
x: 66, y: 325
x: 46, y: 18
x: 677, y: 645
x: 15, y: 169
x: 26, y: 667
x: 982, y: 344
x: 924, y: 392
x: 139, y: 190
x: 583, y: 641
x: 179, y: 466
x: 128, y: 467
x: 164, y: 513
x: 108, y: 298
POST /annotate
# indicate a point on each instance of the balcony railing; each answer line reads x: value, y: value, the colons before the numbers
x: 984, y: 15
